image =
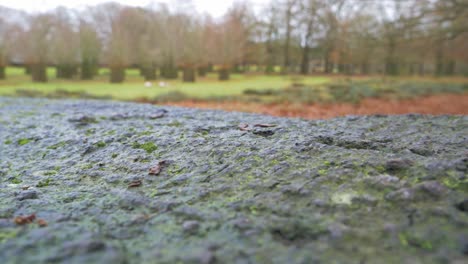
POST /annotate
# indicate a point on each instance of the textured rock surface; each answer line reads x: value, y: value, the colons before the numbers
x: 351, y: 190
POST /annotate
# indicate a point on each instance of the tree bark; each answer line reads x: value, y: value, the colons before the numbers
x: 223, y: 74
x: 329, y: 65
x: 169, y: 71
x: 39, y: 72
x: 288, y: 39
x: 66, y: 71
x: 149, y: 72
x: 439, y: 69
x: 189, y: 74
x: 2, y: 72
x: 305, y: 60
x: 391, y: 64
x: 117, y: 74
x: 450, y: 68
x: 421, y: 69
x: 88, y: 69
x: 202, y: 71
x: 365, y: 68
x: 306, y: 50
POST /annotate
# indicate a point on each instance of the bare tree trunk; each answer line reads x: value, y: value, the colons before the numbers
x: 306, y: 50
x: 149, y: 72
x: 269, y: 67
x: 421, y: 70
x: 209, y: 68
x: 169, y: 71
x: 223, y: 74
x: 202, y: 71
x: 391, y: 63
x: 2, y: 72
x: 365, y: 68
x: 450, y: 68
x: 88, y: 69
x: 189, y: 74
x: 329, y: 66
x: 39, y: 72
x: 439, y: 69
x: 305, y: 60
x: 287, y: 42
x: 66, y: 71
x: 117, y: 74
x: 27, y: 69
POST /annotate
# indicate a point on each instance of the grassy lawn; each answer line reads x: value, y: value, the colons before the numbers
x: 133, y: 88
x: 241, y: 87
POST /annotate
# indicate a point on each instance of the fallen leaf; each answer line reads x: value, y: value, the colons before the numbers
x: 25, y: 187
x: 244, y: 127
x: 265, y: 125
x: 155, y: 170
x: 135, y: 183
x: 22, y: 220
x: 42, y: 222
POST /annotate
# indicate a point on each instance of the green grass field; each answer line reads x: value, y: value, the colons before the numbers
x: 133, y: 88
x: 241, y: 87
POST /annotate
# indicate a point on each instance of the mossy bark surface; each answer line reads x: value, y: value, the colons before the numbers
x: 133, y: 183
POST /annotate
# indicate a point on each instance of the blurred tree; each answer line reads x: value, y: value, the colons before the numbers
x: 309, y: 19
x: 90, y: 48
x: 37, y: 39
x: 4, y: 27
x: 290, y: 9
x: 229, y: 40
x: 65, y: 44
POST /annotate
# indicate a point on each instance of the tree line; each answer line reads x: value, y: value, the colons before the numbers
x: 392, y: 37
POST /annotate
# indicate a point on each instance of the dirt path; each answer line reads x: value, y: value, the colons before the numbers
x: 435, y: 105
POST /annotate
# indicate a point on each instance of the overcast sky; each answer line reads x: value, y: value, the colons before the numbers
x: 214, y: 7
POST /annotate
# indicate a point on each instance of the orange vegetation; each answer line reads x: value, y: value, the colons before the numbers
x: 434, y: 105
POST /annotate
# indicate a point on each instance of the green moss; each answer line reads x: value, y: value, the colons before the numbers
x: 100, y: 144
x: 175, y: 124
x: 145, y: 133
x: 343, y: 197
x: 16, y: 180
x: 322, y: 172
x: 8, y: 142
x: 115, y: 155
x: 58, y: 145
x: 50, y: 173
x: 274, y: 162
x: 403, y: 239
x: 43, y: 183
x: 90, y: 131
x: 380, y: 169
x: 149, y: 147
x: 7, y: 235
x: 24, y: 141
x: 86, y: 166
x: 110, y: 133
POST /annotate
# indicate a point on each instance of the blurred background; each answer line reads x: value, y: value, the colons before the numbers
x: 296, y: 58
